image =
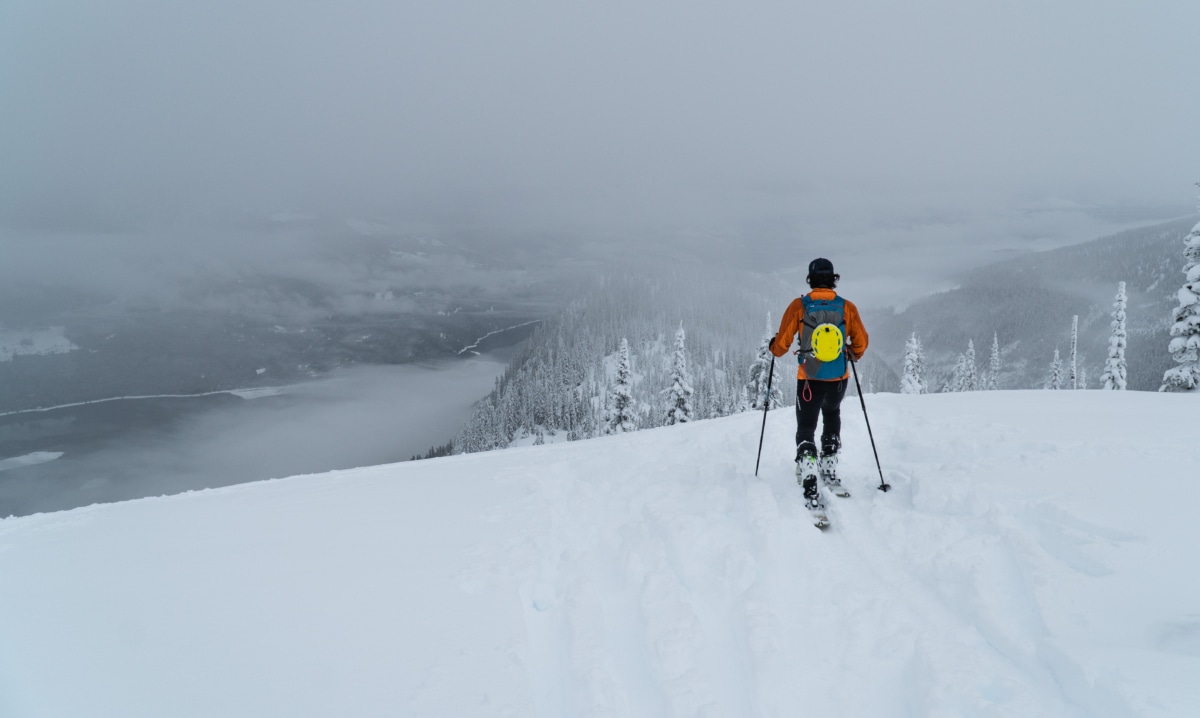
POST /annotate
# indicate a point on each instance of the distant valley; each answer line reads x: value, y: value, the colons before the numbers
x: 383, y: 298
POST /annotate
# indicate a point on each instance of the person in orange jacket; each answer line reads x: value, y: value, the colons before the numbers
x: 830, y: 332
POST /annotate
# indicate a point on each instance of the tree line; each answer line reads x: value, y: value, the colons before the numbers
x: 639, y: 351
x: 633, y: 352
x: 1067, y: 372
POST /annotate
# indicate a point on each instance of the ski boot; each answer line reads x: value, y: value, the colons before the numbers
x: 814, y: 503
x: 827, y: 466
x: 807, y: 473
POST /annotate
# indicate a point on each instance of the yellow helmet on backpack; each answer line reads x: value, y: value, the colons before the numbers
x: 827, y: 342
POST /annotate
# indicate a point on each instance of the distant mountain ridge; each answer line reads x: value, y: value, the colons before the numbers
x: 1028, y: 302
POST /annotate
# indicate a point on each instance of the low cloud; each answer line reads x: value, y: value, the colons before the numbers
x: 538, y: 116
x: 356, y: 417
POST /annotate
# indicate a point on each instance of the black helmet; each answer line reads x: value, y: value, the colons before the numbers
x: 820, y: 274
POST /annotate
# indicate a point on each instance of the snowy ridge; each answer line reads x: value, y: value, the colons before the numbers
x: 1034, y: 558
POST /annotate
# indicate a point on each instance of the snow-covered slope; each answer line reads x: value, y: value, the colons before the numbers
x: 1037, y: 557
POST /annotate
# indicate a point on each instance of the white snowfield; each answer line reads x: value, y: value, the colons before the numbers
x: 1036, y: 557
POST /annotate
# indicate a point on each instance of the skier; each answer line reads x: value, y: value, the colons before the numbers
x: 830, y: 330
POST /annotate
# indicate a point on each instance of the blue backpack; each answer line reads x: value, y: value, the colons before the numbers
x: 823, y: 338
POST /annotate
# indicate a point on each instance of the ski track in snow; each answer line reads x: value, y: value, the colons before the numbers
x: 676, y: 585
x: 1011, y: 571
x: 706, y: 573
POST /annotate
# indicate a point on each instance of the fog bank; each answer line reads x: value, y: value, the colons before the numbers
x: 357, y: 417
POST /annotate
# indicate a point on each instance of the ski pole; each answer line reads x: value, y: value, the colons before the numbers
x: 766, y: 405
x: 883, y: 485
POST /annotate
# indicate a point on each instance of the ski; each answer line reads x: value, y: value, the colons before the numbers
x: 827, y: 468
x: 809, y: 478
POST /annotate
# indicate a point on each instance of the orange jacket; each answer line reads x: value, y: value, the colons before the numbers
x: 856, y: 333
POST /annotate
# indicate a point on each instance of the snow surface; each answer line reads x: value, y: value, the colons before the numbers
x: 1036, y: 557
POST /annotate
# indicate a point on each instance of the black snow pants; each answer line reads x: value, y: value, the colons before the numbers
x: 824, y: 399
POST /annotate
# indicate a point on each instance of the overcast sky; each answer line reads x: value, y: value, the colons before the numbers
x: 573, y: 115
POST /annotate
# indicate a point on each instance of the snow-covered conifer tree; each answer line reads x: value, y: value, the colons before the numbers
x: 913, y: 381
x: 970, y: 375
x: 993, y: 379
x: 958, y: 377
x: 620, y: 416
x: 1114, y: 368
x: 1054, y: 380
x: 1185, y: 332
x: 1073, y: 366
x: 679, y: 395
x: 756, y: 388
x: 965, y: 377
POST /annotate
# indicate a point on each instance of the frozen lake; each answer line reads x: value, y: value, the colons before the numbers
x: 130, y: 448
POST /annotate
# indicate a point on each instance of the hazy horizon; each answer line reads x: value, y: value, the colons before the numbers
x: 538, y: 117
